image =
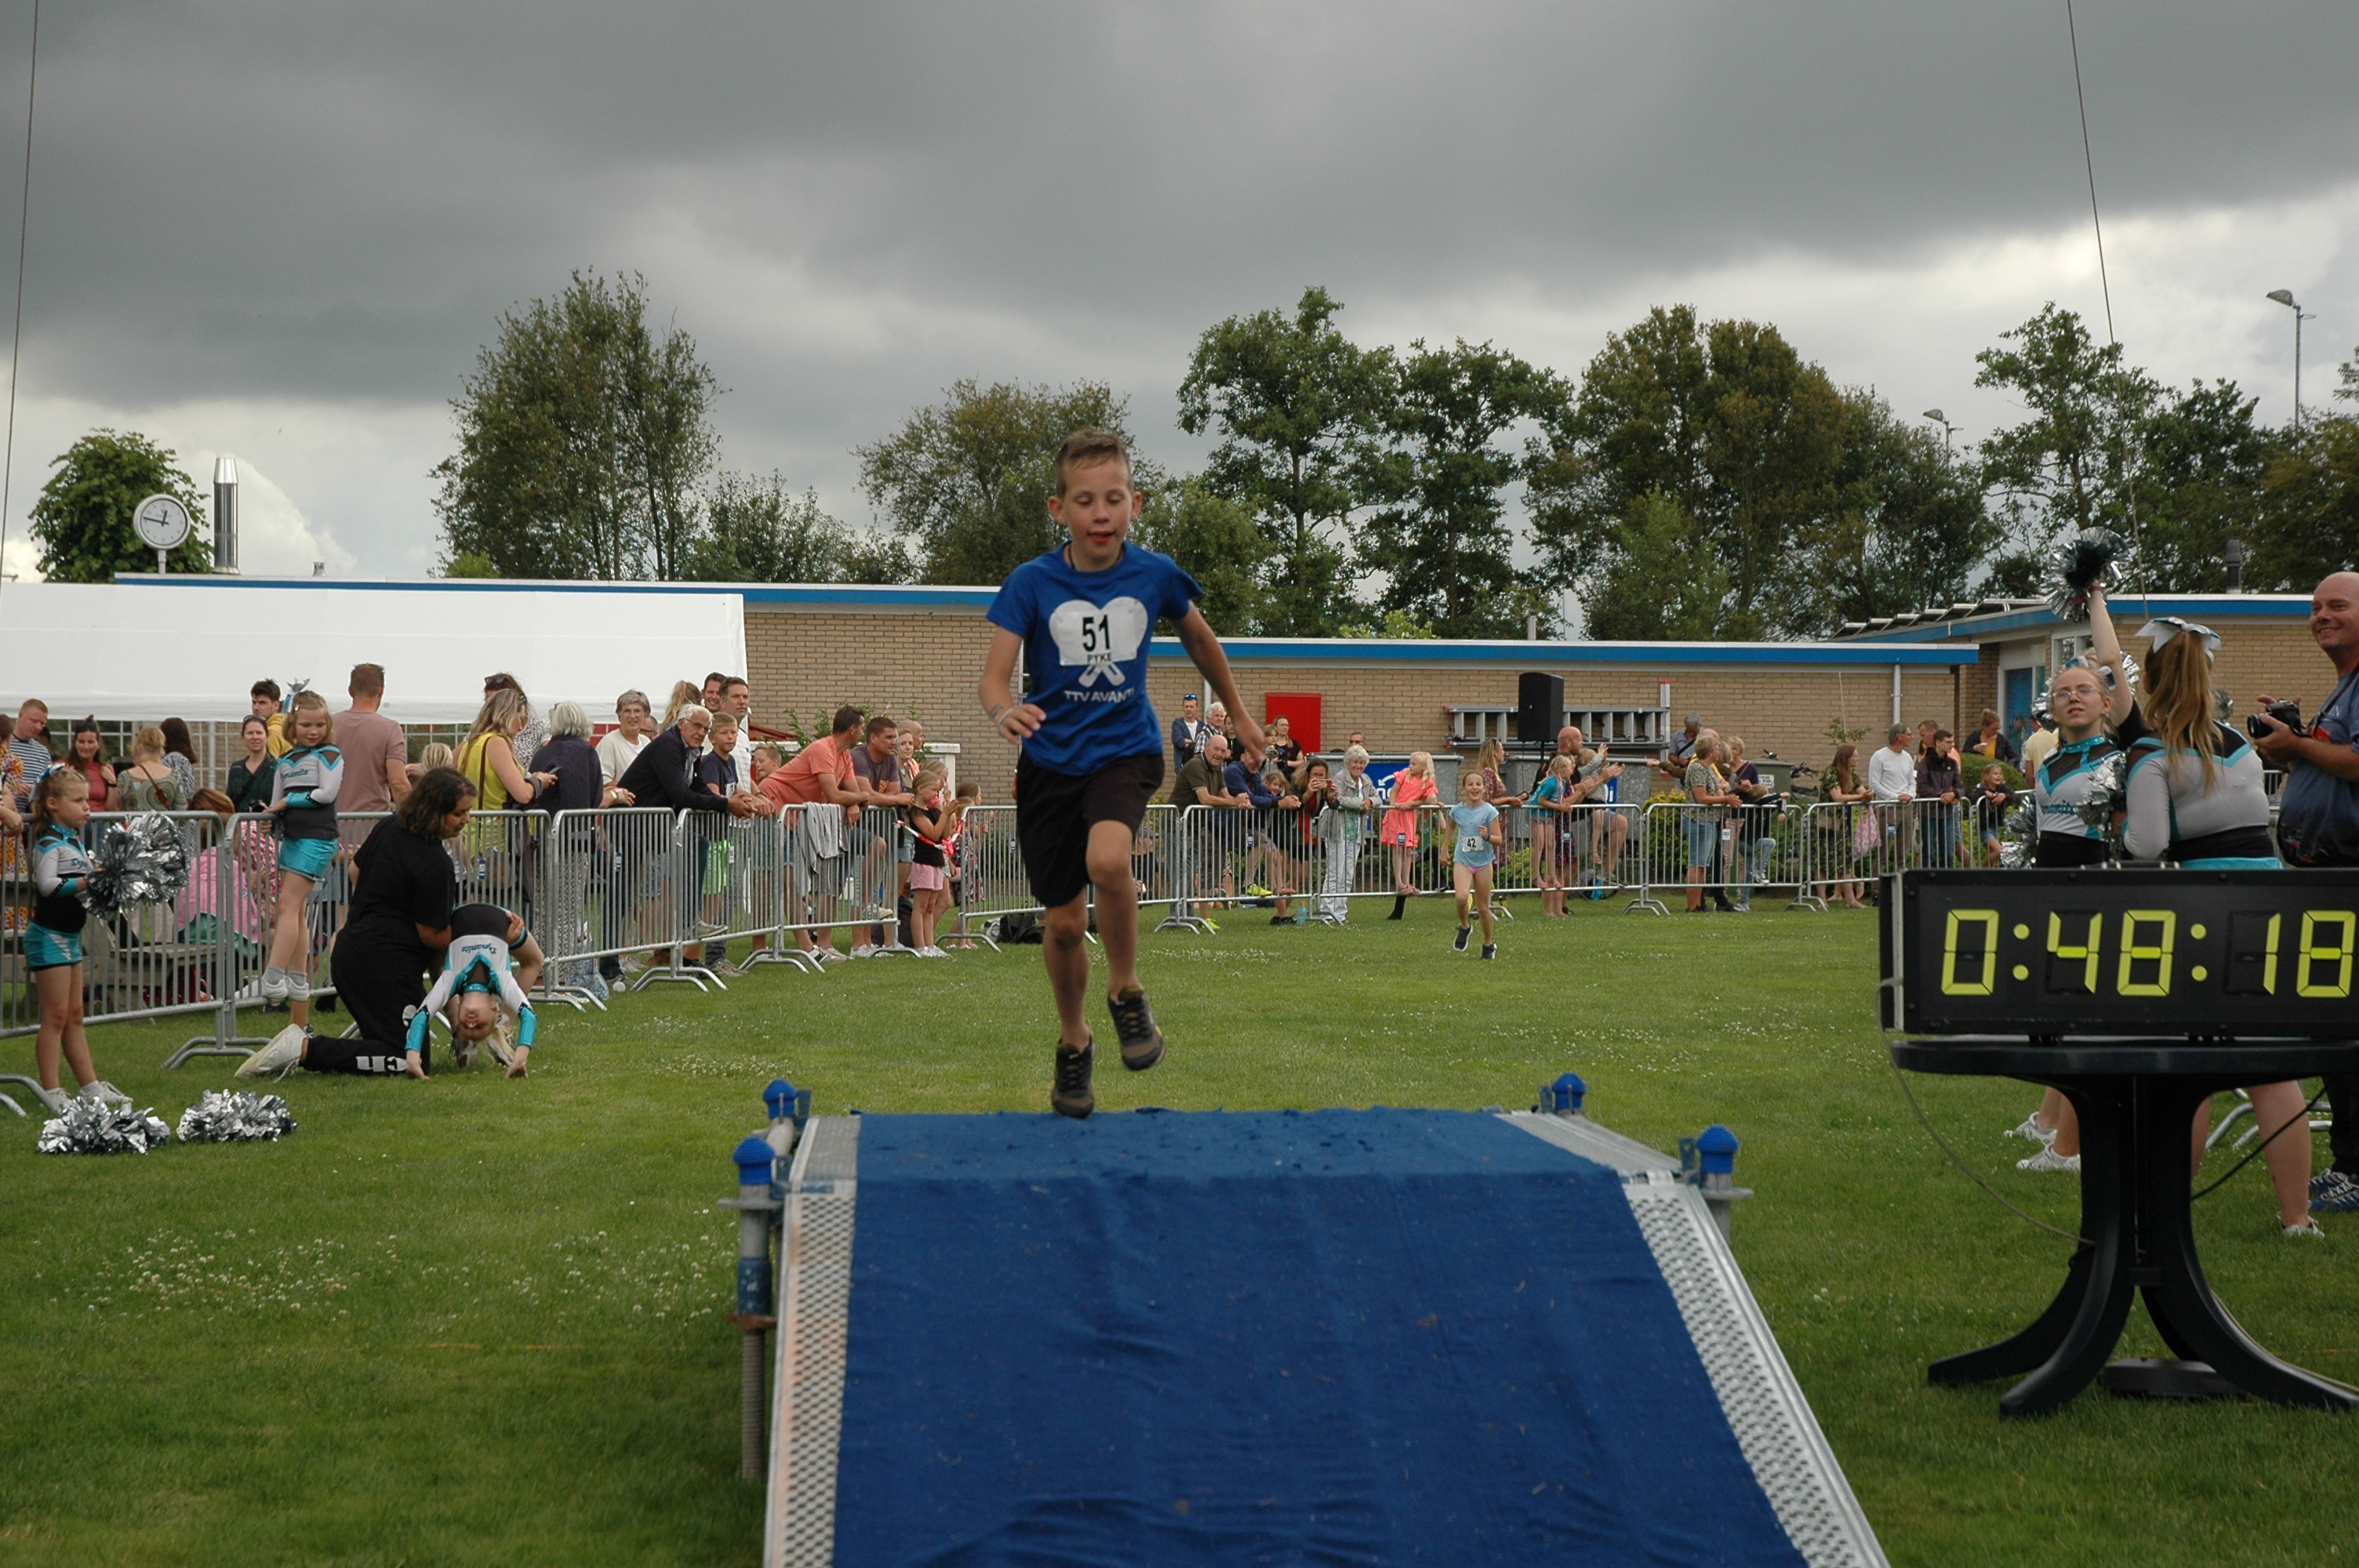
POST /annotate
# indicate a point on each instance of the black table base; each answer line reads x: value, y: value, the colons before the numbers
x: 2136, y: 1102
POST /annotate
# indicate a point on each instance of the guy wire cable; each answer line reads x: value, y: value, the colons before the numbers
x: 23, y: 212
x: 2104, y: 283
x: 1975, y: 1176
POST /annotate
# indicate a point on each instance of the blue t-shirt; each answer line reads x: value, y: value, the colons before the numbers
x: 1470, y: 827
x: 1085, y: 636
x: 2318, y: 816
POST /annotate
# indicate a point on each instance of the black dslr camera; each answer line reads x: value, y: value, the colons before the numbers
x: 2286, y: 713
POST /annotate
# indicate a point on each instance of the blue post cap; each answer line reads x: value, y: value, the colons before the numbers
x: 756, y: 1162
x: 1717, y: 1147
x: 780, y: 1099
x: 1566, y: 1093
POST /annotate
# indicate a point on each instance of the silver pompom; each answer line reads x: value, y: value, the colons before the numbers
x: 2104, y: 797
x: 141, y: 861
x: 2081, y: 565
x: 235, y: 1115
x: 91, y: 1127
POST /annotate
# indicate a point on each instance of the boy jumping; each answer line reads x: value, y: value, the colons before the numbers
x: 1093, y: 752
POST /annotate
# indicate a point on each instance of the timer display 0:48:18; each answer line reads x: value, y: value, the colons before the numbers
x: 2145, y: 953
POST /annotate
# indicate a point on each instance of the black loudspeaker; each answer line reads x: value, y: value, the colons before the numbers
x: 1539, y: 707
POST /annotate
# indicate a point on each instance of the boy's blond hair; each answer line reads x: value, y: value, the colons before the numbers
x: 1089, y: 447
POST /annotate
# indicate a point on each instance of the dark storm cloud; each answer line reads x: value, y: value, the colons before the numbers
x: 295, y: 200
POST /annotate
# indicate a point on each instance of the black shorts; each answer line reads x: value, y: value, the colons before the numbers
x: 1054, y: 814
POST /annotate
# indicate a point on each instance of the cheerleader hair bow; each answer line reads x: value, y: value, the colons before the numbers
x: 2163, y: 628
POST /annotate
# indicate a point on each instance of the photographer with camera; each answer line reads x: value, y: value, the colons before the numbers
x: 2318, y: 821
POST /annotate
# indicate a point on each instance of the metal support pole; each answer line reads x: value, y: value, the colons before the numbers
x: 756, y: 1203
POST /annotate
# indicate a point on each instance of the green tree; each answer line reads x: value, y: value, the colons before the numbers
x: 1215, y: 541
x: 754, y: 528
x: 2308, y: 522
x: 1908, y: 528
x: 1774, y: 443
x: 2203, y: 467
x: 584, y: 437
x: 2071, y: 465
x: 1727, y: 423
x: 1396, y: 626
x: 82, y: 520
x: 1442, y: 538
x: 1660, y: 580
x: 965, y: 483
x: 1295, y: 404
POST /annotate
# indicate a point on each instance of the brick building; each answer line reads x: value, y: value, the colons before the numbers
x: 916, y: 651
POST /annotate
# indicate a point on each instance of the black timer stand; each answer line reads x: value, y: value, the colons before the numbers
x: 2136, y: 1099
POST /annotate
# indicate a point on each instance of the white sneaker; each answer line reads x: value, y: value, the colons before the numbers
x: 273, y: 985
x: 828, y: 955
x: 105, y: 1093
x: 866, y: 950
x: 2307, y: 1228
x: 2049, y: 1160
x: 281, y: 1057
x: 56, y: 1099
x: 2030, y: 1128
x: 931, y: 953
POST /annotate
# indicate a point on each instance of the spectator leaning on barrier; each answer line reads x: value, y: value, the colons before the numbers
x: 1940, y: 782
x: 877, y: 766
x: 1892, y: 772
x: 1349, y: 822
x: 376, y: 753
x: 490, y: 756
x: 580, y: 786
x: 2318, y: 824
x: 633, y: 728
x: 29, y: 745
x: 820, y: 775
x: 248, y: 786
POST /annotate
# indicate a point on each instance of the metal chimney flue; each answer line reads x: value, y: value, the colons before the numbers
x: 225, y: 515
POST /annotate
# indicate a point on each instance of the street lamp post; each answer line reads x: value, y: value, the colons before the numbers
x: 1942, y: 419
x: 2285, y: 297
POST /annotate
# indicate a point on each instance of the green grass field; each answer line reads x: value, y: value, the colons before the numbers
x: 478, y: 1322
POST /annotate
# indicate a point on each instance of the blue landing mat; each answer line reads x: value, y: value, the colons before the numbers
x: 1342, y: 1337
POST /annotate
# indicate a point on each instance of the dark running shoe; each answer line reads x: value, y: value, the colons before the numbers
x: 1464, y: 933
x: 2339, y: 1196
x: 1490, y: 950
x: 1135, y: 1031
x: 1072, y: 1095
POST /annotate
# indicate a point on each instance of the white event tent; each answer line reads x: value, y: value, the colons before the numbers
x: 146, y: 648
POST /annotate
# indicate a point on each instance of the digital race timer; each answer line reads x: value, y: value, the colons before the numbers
x: 2105, y: 951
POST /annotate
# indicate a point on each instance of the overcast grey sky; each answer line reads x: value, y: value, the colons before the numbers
x: 282, y: 229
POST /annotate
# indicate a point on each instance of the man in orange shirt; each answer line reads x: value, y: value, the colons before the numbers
x: 816, y: 778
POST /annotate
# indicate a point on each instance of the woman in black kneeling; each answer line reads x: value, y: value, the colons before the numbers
x: 404, y: 885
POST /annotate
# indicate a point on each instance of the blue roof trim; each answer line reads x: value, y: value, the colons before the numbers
x: 2196, y: 606
x: 1439, y: 652
x: 921, y: 596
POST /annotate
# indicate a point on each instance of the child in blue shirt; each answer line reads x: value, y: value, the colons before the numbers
x: 1475, y: 838
x: 1092, y: 751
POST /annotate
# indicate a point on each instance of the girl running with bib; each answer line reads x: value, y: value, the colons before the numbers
x: 1475, y: 838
